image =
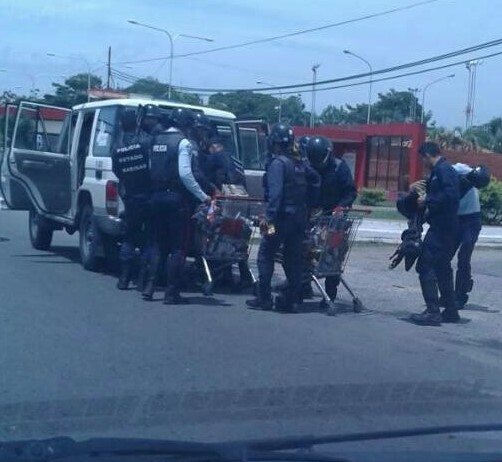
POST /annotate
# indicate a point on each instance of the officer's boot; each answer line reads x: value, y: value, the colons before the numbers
x: 173, y: 297
x: 450, y: 313
x: 246, y: 279
x: 463, y: 287
x: 331, y: 286
x: 125, y: 276
x: 263, y: 301
x: 288, y: 301
x: 432, y: 315
x: 142, y: 277
x: 150, y: 282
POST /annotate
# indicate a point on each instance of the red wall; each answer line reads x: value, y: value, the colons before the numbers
x: 358, y: 136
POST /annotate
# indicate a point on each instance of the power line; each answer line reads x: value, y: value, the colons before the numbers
x: 349, y: 85
x: 291, y: 34
x: 383, y: 79
x: 356, y: 76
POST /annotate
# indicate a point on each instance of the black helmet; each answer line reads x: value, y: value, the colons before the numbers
x: 150, y: 110
x: 281, y: 134
x: 183, y: 117
x: 479, y: 177
x: 319, y: 149
x: 202, y: 121
x: 302, y: 145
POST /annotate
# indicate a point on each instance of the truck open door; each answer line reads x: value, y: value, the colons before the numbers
x: 36, y: 166
x: 252, y: 138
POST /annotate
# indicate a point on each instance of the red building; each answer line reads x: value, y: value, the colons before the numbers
x: 380, y: 156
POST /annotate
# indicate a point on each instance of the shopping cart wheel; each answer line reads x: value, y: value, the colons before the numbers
x: 207, y: 289
x: 358, y: 305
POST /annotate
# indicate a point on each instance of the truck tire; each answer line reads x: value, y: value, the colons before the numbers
x: 89, y: 241
x: 40, y: 231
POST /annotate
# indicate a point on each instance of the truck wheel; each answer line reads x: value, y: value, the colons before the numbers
x: 40, y: 231
x: 89, y: 240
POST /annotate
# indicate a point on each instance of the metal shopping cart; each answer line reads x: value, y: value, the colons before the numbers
x: 224, y: 234
x: 331, y: 240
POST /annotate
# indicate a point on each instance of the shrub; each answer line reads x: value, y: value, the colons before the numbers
x: 372, y: 197
x: 491, y: 203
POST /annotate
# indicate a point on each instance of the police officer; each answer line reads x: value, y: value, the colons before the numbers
x: 338, y: 189
x: 130, y: 163
x: 150, y: 122
x: 172, y: 184
x: 469, y: 216
x: 199, y: 134
x: 440, y: 202
x: 289, y: 183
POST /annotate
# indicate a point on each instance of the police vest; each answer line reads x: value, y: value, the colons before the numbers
x: 164, y: 161
x: 295, y: 184
x: 130, y: 164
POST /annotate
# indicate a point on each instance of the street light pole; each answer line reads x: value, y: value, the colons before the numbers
x: 171, y: 46
x: 84, y: 60
x: 425, y: 90
x: 348, y: 52
x: 314, y: 80
x: 261, y: 82
x: 413, y: 102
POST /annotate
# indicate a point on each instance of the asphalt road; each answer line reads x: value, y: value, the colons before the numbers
x: 79, y: 357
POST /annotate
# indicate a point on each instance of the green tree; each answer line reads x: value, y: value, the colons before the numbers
x: 152, y: 87
x: 332, y: 115
x: 487, y: 136
x: 246, y: 104
x: 393, y: 106
x: 73, y: 91
x: 293, y: 111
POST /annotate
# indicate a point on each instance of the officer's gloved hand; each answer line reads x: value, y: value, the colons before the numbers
x: 267, y: 228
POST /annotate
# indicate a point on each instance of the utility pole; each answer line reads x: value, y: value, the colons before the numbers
x: 424, y: 90
x: 109, y: 66
x: 314, y: 80
x: 413, y: 103
x: 472, y: 67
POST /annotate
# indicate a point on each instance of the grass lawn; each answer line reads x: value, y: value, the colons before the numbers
x: 385, y: 213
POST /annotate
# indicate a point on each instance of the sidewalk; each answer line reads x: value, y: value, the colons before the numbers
x: 389, y: 232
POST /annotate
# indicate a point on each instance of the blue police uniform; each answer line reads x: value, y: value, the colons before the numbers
x: 434, y: 263
x: 289, y: 185
x: 170, y: 160
x: 337, y: 186
x: 337, y: 190
x: 130, y: 163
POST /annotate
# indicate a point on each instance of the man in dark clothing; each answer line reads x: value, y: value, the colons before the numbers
x: 172, y: 183
x: 440, y: 204
x: 130, y: 163
x: 221, y: 168
x: 289, y: 185
x: 338, y: 189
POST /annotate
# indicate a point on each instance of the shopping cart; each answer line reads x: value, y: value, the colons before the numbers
x: 224, y: 234
x: 331, y: 240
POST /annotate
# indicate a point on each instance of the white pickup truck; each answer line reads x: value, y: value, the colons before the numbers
x: 57, y: 164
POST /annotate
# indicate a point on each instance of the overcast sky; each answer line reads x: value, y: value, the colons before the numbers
x: 85, y: 29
